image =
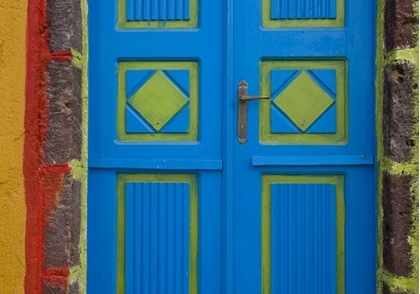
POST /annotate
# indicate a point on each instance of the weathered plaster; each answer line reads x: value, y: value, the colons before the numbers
x: 12, y: 93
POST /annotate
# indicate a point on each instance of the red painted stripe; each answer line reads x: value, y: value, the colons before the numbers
x: 62, y: 272
x: 57, y: 276
x: 35, y: 122
x: 42, y: 183
x: 62, y: 56
x: 55, y: 280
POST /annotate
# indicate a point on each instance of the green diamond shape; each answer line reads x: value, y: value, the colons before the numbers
x: 158, y: 100
x: 303, y: 101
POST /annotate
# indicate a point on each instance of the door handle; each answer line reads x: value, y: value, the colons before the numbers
x: 243, y: 99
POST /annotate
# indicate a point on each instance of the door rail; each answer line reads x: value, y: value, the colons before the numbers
x: 313, y: 160
x: 162, y: 164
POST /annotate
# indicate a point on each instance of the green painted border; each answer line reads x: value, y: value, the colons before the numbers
x: 338, y: 22
x: 267, y: 180
x: 156, y: 24
x: 379, y: 60
x: 340, y: 137
x: 192, y: 134
x: 157, y: 178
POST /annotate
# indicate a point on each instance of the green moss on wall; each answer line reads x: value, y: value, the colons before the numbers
x: 385, y: 164
x: 79, y: 168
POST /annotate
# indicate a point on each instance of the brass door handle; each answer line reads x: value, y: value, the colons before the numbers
x: 243, y: 110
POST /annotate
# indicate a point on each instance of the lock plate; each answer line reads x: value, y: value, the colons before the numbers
x: 243, y: 99
x: 242, y: 112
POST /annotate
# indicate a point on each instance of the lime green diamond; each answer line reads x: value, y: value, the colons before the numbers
x: 303, y: 101
x: 158, y: 100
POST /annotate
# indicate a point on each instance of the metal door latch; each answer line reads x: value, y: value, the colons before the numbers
x: 243, y: 99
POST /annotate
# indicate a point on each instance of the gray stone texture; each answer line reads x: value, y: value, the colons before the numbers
x: 397, y: 207
x: 74, y: 288
x: 50, y: 288
x: 400, y: 22
x: 398, y: 111
x: 63, y: 141
x: 62, y: 230
x: 64, y: 19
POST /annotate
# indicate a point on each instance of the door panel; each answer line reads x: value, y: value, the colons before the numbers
x: 161, y: 226
x: 309, y: 151
x: 155, y: 147
x: 303, y: 234
x: 177, y: 63
x: 153, y: 232
x: 258, y: 264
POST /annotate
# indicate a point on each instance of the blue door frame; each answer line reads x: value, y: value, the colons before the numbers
x: 176, y: 203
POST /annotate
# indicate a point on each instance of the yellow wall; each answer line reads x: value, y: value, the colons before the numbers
x: 12, y: 106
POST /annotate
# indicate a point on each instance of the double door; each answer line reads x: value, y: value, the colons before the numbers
x: 231, y: 146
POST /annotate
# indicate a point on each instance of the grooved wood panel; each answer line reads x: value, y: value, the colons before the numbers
x: 303, y: 238
x: 157, y: 238
x: 161, y: 10
x: 303, y: 9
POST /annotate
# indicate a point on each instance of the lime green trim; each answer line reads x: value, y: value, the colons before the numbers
x: 267, y: 181
x: 79, y: 168
x: 267, y: 22
x: 157, y: 178
x: 408, y: 54
x: 379, y: 137
x: 77, y: 58
x: 192, y: 134
x: 74, y: 274
x: 340, y: 137
x: 155, y: 24
x: 399, y: 283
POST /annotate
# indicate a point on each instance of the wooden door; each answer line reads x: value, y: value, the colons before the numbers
x: 187, y: 196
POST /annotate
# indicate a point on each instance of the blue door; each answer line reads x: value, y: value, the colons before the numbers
x: 231, y: 146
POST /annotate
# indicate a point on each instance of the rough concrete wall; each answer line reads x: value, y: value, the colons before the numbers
x: 12, y: 93
x: 55, y: 147
x: 398, y: 146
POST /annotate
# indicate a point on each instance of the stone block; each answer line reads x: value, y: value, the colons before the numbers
x: 50, y: 288
x: 400, y: 23
x: 74, y: 288
x: 398, y: 111
x: 64, y: 19
x: 397, y: 207
x: 63, y: 141
x: 62, y: 230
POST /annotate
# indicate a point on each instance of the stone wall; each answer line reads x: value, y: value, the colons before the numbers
x: 398, y: 146
x: 55, y: 147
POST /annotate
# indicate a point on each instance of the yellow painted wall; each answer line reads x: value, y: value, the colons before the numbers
x: 12, y: 106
